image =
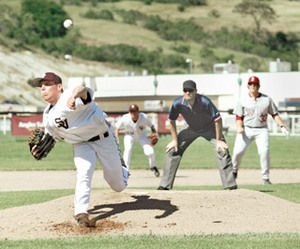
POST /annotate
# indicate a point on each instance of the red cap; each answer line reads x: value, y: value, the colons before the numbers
x: 48, y: 77
x: 253, y: 79
x: 133, y: 108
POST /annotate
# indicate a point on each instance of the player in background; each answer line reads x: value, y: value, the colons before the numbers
x: 135, y: 124
x: 205, y: 121
x: 251, y: 123
x: 74, y: 117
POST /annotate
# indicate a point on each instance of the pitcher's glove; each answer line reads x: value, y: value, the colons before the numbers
x: 153, y: 139
x: 44, y: 143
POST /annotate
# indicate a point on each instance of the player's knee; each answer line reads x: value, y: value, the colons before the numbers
x: 118, y: 187
x: 223, y: 153
x: 148, y: 151
x: 238, y: 153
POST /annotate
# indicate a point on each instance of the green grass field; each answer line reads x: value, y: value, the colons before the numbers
x: 290, y: 192
x: 246, y: 241
x: 15, y: 155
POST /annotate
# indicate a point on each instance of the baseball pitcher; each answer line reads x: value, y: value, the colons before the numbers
x: 74, y: 117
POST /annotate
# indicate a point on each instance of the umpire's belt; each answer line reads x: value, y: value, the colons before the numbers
x: 99, y: 137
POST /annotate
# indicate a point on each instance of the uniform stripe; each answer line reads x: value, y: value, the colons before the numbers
x: 239, y: 118
x: 217, y: 119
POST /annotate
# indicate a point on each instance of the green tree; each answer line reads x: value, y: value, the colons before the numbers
x: 251, y: 63
x: 48, y: 17
x: 208, y: 59
x: 259, y: 10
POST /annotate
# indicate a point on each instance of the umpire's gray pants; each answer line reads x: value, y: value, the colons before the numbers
x: 185, y: 138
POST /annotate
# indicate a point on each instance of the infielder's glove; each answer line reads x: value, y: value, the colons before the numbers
x: 44, y: 143
x: 153, y: 139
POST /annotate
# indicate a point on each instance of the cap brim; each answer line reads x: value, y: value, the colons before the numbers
x: 37, y: 82
x: 193, y: 88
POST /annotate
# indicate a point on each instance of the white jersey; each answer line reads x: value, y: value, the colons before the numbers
x: 74, y: 126
x: 134, y: 128
x: 254, y: 111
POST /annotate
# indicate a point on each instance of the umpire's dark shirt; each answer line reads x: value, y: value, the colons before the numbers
x: 201, y: 117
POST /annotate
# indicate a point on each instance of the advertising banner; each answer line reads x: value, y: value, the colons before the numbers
x: 22, y: 125
x: 163, y: 123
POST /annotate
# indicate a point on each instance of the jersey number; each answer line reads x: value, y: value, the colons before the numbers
x: 263, y: 118
x: 61, y: 123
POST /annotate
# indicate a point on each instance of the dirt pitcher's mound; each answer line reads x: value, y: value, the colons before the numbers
x: 155, y: 212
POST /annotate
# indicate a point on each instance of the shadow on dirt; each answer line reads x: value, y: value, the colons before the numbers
x: 142, y: 202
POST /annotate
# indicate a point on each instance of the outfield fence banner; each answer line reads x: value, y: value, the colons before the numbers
x: 163, y: 123
x: 23, y: 125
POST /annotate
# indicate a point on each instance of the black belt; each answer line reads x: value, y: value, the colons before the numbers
x: 98, y: 137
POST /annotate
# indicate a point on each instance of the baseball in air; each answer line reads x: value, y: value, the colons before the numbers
x: 68, y: 23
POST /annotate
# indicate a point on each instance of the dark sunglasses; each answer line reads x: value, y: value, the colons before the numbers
x: 251, y: 83
x: 188, y: 90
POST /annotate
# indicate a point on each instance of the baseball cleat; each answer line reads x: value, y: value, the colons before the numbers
x: 162, y: 188
x: 267, y: 182
x: 235, y: 174
x: 83, y: 220
x: 156, y: 171
x: 232, y: 187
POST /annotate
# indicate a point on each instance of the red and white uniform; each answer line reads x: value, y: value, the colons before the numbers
x: 254, y: 113
x: 78, y: 127
x: 136, y: 132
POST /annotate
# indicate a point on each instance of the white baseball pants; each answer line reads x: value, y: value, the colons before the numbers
x: 242, y: 141
x: 85, y: 159
x: 144, y: 142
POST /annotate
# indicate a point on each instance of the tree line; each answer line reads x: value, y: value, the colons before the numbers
x: 39, y: 24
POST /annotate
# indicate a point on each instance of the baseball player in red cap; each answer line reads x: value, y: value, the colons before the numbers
x: 251, y: 122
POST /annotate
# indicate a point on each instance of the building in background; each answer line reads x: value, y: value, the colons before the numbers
x: 279, y: 66
x: 222, y: 68
x: 115, y: 94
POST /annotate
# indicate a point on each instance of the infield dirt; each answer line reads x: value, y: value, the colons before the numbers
x: 136, y: 211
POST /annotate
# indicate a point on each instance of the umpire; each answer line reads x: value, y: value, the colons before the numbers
x: 204, y: 120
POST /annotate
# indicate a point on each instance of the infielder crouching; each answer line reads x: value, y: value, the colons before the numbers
x: 135, y: 124
x: 74, y: 117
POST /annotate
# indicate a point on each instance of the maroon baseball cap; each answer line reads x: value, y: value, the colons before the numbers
x: 48, y: 77
x: 133, y: 108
